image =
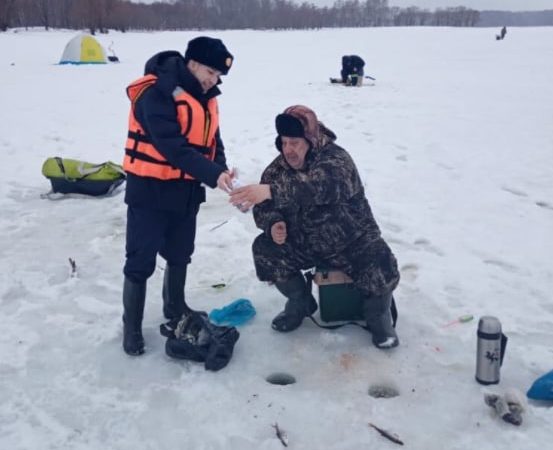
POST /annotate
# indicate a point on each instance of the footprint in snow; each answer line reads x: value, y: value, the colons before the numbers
x: 514, y: 191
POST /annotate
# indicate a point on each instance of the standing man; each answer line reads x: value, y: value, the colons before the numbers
x: 312, y: 208
x: 173, y: 146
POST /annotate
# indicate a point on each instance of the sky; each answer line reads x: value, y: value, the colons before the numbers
x: 453, y: 142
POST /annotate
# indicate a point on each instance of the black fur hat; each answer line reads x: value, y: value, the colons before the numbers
x: 210, y: 52
x: 288, y: 125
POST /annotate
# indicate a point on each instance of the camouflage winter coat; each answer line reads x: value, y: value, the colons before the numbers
x: 324, y: 204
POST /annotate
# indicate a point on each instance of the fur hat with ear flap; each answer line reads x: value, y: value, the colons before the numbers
x: 298, y: 121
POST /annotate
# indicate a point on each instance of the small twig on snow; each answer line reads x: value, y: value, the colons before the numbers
x: 217, y: 226
x: 387, y: 434
x: 73, y: 265
x: 281, y: 435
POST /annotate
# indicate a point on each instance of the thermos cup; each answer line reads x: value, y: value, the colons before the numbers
x: 490, y: 349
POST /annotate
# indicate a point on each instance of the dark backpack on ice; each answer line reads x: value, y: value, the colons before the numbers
x: 197, y: 339
x: 71, y: 176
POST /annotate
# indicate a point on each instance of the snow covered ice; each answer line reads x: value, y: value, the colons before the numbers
x: 455, y: 145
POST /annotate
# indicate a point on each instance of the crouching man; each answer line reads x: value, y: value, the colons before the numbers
x: 312, y: 208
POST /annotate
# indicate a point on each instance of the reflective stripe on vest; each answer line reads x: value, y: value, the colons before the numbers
x: 197, y: 124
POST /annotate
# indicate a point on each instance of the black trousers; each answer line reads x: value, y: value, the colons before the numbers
x: 149, y: 232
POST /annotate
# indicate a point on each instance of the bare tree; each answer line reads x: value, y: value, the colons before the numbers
x: 6, y: 11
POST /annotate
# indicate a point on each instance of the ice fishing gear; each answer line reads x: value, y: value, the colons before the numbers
x: 71, y: 176
x: 113, y: 57
x: 490, y: 350
x: 348, y: 82
x: 461, y: 319
x: 197, y: 339
x: 339, y: 300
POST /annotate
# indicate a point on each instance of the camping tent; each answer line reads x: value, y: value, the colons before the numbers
x: 83, y: 49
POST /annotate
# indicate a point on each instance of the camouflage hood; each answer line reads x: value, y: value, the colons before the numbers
x: 300, y: 121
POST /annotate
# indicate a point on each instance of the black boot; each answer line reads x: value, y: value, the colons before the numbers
x: 300, y: 304
x: 174, y: 280
x: 134, y: 297
x: 174, y: 305
x: 377, y: 311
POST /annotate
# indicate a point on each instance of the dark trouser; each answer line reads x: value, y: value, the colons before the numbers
x: 348, y: 74
x: 149, y: 232
x: 370, y: 263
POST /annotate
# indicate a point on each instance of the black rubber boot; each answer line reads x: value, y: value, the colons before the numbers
x: 377, y: 311
x: 300, y: 304
x: 134, y: 297
x: 174, y: 280
x: 174, y: 304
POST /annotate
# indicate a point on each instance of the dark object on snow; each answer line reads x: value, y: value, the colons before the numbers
x: 113, y: 57
x: 542, y: 388
x: 70, y: 176
x: 281, y: 435
x: 352, y: 70
x: 387, y: 434
x: 197, y: 339
x: 501, y: 35
x: 508, y: 408
x: 339, y: 80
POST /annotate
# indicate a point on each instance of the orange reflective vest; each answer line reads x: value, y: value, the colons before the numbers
x: 198, y: 125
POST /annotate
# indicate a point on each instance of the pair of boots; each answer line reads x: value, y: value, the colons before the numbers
x: 301, y: 304
x: 134, y: 298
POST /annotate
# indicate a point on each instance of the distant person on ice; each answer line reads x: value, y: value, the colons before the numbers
x: 352, y: 70
x: 501, y: 34
x: 173, y: 149
x: 312, y: 208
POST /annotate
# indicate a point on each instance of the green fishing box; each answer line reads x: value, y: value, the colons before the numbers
x: 339, y: 300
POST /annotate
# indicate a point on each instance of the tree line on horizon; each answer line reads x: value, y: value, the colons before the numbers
x: 123, y: 15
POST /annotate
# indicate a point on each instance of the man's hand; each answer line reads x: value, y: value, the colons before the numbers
x: 224, y: 182
x: 278, y: 232
x: 250, y: 195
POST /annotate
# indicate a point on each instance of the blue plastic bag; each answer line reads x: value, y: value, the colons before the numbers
x: 234, y: 314
x: 542, y: 388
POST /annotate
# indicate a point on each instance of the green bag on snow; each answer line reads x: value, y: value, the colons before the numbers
x: 71, y: 176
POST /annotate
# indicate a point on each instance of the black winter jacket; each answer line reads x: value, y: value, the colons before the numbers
x: 156, y: 112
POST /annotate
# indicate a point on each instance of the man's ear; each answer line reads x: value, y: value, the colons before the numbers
x: 278, y: 143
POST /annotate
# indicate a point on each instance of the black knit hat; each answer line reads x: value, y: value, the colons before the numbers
x: 210, y: 52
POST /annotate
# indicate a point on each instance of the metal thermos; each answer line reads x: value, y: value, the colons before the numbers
x: 490, y: 349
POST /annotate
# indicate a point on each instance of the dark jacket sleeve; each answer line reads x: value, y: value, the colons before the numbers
x: 157, y: 114
x: 220, y: 157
